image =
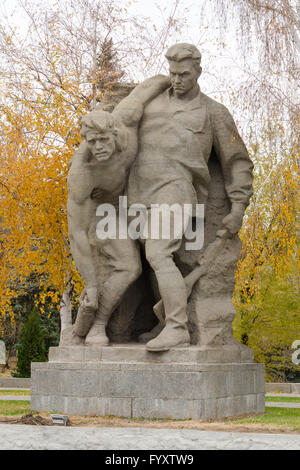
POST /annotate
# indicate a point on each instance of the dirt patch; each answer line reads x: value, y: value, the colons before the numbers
x: 7, y: 373
x: 44, y: 419
x: 31, y: 419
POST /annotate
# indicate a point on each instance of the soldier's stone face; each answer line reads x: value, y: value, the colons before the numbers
x: 101, y: 144
x: 183, y: 76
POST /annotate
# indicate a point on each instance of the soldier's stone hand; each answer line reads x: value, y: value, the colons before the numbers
x: 233, y: 221
x: 90, y: 301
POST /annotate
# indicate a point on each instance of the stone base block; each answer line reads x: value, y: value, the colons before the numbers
x: 136, y: 352
x: 136, y: 389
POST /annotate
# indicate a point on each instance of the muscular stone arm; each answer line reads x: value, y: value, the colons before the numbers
x: 80, y: 211
x: 130, y: 109
x: 81, y: 184
x: 79, y: 222
x: 236, y: 165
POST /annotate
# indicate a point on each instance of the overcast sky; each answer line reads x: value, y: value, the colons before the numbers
x: 221, y: 64
x: 199, y: 29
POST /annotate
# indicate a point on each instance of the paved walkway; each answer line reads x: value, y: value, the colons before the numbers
x: 15, y: 397
x: 17, y: 437
x: 282, y: 404
x: 283, y: 395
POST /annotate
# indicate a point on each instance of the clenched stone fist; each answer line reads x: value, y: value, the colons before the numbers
x: 234, y: 220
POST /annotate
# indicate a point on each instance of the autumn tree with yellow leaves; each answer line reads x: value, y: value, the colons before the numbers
x: 50, y: 77
x: 70, y: 56
x: 267, y: 294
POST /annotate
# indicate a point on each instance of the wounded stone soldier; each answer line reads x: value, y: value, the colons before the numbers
x: 102, y: 164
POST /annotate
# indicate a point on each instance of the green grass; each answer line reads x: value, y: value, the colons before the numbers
x: 276, y: 416
x: 289, y: 418
x: 15, y: 392
x: 283, y: 399
x: 12, y: 408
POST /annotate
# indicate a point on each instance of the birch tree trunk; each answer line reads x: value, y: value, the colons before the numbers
x: 65, y: 311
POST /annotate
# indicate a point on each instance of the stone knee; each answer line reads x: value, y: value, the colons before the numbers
x: 133, y: 271
x: 157, y: 258
x: 129, y: 269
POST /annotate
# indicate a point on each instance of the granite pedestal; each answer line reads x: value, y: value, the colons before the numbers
x: 126, y: 380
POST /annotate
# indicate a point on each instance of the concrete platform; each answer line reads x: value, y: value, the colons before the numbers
x: 90, y: 381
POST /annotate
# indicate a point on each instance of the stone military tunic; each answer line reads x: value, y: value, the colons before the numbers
x: 176, y: 138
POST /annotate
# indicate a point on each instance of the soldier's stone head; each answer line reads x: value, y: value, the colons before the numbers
x: 184, y: 65
x: 103, y: 134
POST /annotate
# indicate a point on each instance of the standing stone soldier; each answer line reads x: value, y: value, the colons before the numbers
x: 179, y: 128
x: 178, y: 131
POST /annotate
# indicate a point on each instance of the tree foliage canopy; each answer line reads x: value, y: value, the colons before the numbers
x: 50, y: 76
x: 71, y: 55
x: 267, y: 288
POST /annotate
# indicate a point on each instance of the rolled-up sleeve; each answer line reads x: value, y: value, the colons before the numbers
x: 234, y: 158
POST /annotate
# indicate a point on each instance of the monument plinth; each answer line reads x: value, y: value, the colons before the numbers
x: 129, y: 381
x: 170, y: 150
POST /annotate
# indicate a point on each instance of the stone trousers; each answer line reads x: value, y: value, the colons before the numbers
x: 159, y: 253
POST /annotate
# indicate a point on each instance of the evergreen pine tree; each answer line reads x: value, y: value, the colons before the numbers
x: 32, y: 347
x: 108, y: 68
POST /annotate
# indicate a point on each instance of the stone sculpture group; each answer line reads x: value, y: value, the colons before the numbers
x: 153, y: 334
x: 166, y: 144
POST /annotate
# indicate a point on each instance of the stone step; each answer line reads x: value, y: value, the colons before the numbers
x: 135, y: 352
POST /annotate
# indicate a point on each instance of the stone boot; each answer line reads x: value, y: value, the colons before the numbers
x: 170, y: 337
x: 70, y: 338
x: 145, y: 337
x: 97, y: 335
